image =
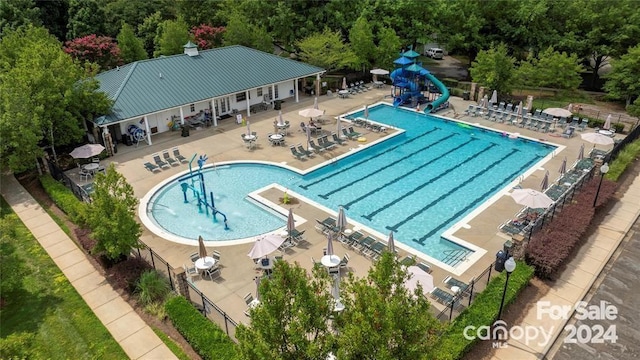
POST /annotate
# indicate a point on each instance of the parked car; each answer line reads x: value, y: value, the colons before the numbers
x: 435, y: 53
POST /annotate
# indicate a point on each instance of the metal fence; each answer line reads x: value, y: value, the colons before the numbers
x: 59, y: 175
x: 464, y: 298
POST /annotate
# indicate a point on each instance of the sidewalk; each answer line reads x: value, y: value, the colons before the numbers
x: 577, y: 279
x: 127, y: 328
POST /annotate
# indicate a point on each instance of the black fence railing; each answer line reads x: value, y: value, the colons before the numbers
x: 57, y: 173
x: 465, y: 297
x: 632, y: 136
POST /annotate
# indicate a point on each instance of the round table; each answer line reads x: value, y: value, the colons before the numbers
x: 455, y: 290
x: 606, y: 132
x: 330, y: 260
x: 348, y: 232
x: 343, y: 93
x: 250, y: 137
x: 205, y: 263
x: 91, y: 167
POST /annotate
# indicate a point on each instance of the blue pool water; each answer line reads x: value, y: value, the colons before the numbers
x: 417, y: 184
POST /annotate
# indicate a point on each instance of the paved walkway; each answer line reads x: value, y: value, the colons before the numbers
x: 577, y: 279
x: 127, y: 328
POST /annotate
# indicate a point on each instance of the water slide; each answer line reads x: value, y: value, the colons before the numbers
x: 443, y: 90
x: 400, y: 79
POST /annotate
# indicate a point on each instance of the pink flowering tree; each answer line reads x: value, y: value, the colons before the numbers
x: 101, y: 50
x: 207, y: 37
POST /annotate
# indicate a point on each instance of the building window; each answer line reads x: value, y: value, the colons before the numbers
x: 259, y: 91
x: 241, y: 97
x: 276, y: 87
x: 192, y: 107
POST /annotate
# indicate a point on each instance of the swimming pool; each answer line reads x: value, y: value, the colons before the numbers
x: 417, y: 184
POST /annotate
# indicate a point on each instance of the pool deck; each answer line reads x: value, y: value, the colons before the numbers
x: 223, y: 143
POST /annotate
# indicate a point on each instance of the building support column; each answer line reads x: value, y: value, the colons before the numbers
x: 148, y: 131
x: 213, y: 112
x: 295, y: 89
x: 317, y: 84
x: 246, y: 96
x: 181, y: 116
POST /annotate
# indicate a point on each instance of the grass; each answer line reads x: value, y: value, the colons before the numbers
x: 48, y: 311
x: 175, y: 348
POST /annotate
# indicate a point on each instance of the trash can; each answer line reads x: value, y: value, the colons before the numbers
x: 277, y: 105
x: 185, y: 131
x: 466, y: 95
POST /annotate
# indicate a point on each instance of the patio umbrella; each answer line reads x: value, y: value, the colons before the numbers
x: 366, y: 112
x: 338, y: 127
x: 291, y: 224
x: 419, y: 276
x: 545, y: 181
x: 344, y: 83
x: 280, y: 119
x: 563, y: 166
x: 570, y: 108
x: 310, y: 113
x: 557, y: 112
x: 377, y: 72
x: 597, y: 139
x: 531, y: 198
x: 581, y: 152
x: 315, y: 103
x: 202, y: 251
x: 329, y: 244
x: 265, y: 245
x: 308, y: 137
x: 391, y: 244
x: 248, y: 128
x: 607, y: 123
x: 494, y: 97
x: 87, y: 151
x: 341, y: 222
x: 258, y: 278
x: 520, y: 111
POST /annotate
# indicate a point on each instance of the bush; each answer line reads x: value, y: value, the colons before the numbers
x: 625, y: 157
x: 16, y: 346
x: 125, y: 274
x: 618, y: 127
x: 482, y: 312
x: 456, y: 92
x: 65, y: 199
x: 206, y: 338
x: 151, y: 287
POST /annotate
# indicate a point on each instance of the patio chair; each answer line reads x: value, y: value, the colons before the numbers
x: 408, y: 260
x: 348, y: 134
x: 469, y: 110
x: 353, y: 133
x: 213, y: 273
x: 191, y: 271
x: 545, y: 127
x: 303, y: 151
x: 216, y: 255
x: 176, y: 154
x: 568, y: 132
x: 441, y: 296
x: 583, y: 124
x: 85, y: 175
x: 194, y: 256
x: 248, y: 299
x: 295, y: 153
x: 159, y: 162
x: 336, y: 139
x: 424, y: 266
x: 325, y: 143
x: 169, y: 159
x: 315, y: 147
x: 451, y: 282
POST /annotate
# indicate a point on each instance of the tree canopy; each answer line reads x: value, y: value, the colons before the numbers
x: 623, y: 82
x: 327, y: 50
x: 131, y: 47
x: 171, y: 37
x: 100, y: 50
x: 551, y: 69
x: 494, y: 68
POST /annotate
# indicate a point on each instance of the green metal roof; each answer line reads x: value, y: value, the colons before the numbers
x: 153, y: 85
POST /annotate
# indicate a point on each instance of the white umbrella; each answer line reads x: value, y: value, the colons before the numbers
x: 570, y: 107
x: 366, y: 112
x: 341, y: 222
x: 597, y: 138
x: 344, y: 83
x: 329, y: 244
x: 248, y: 128
x: 308, y: 137
x: 258, y: 278
x: 581, y: 152
x: 419, y: 276
x: 202, y: 251
x: 291, y: 224
x: 315, y: 103
x: 379, y: 72
x: 87, y: 151
x: 265, y: 245
x: 338, y: 127
x: 563, y: 166
x: 280, y: 119
x: 557, y: 112
x: 391, y: 244
x: 494, y: 97
x: 607, y: 123
x: 310, y: 113
x: 545, y: 181
x: 531, y: 198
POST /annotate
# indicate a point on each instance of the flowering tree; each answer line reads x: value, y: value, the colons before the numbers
x: 207, y: 37
x: 101, y: 50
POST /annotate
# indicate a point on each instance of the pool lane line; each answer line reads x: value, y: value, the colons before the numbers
x: 372, y: 173
x: 362, y: 197
x: 447, y: 194
x: 422, y: 239
x: 421, y: 186
x: 306, y: 187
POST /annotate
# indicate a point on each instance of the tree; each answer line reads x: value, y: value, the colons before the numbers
x: 131, y: 48
x: 199, y: 12
x: 148, y: 31
x: 16, y: 13
x: 382, y: 319
x: 240, y: 32
x: 100, y: 50
x: 494, y: 68
x: 551, y: 69
x: 54, y: 15
x: 388, y: 47
x: 207, y: 37
x: 85, y: 17
x: 44, y: 97
x: 291, y: 322
x: 634, y: 109
x: 111, y: 215
x: 171, y: 37
x: 361, y: 39
x: 327, y: 50
x: 623, y: 82
x: 134, y: 12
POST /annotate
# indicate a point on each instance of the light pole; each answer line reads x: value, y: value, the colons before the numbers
x: 603, y: 170
x: 509, y: 265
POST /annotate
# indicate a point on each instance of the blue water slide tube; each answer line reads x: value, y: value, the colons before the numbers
x: 443, y: 90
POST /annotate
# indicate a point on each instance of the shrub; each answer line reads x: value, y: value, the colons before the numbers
x: 125, y: 274
x: 482, y: 312
x: 206, y: 338
x: 65, y: 199
x: 618, y: 127
x: 625, y: 157
x: 16, y: 346
x: 151, y: 287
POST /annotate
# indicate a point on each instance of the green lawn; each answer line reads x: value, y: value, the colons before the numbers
x: 47, y: 318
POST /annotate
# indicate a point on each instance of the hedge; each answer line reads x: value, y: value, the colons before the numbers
x: 205, y: 337
x: 625, y: 158
x: 65, y: 199
x: 482, y: 312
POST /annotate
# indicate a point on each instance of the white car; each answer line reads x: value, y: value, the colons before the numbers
x: 435, y: 53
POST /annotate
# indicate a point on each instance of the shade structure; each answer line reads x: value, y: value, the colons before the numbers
x: 248, y: 128
x: 329, y: 244
x: 310, y: 113
x: 391, y: 244
x: 344, y: 83
x: 531, y: 198
x: 258, y: 278
x: 563, y: 165
x: 581, y: 152
x: 607, y: 123
x: 366, y: 112
x: 544, y: 184
x: 87, y: 151
x: 280, y: 119
x: 315, y: 103
x: 291, y: 224
x: 597, y: 138
x: 557, y: 112
x: 265, y: 245
x: 379, y: 72
x: 494, y: 97
x: 202, y: 250
x: 419, y: 276
x: 341, y: 222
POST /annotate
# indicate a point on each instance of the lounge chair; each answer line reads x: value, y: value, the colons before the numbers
x: 583, y: 124
x: 347, y: 134
x: 345, y: 261
x: 353, y: 133
x: 153, y: 168
x: 441, y: 296
x: 315, y: 147
x: 176, y: 154
x: 295, y: 153
x: 159, y: 162
x: 424, y: 266
x: 324, y: 142
x: 169, y: 159
x: 336, y: 139
x: 301, y: 150
x: 568, y: 132
x: 451, y: 282
x: 469, y: 110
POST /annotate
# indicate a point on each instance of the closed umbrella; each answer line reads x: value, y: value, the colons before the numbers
x: 202, y: 251
x: 341, y: 222
x: 391, y: 244
x: 597, y: 138
x: 291, y: 224
x: 545, y: 181
x: 531, y: 198
x: 494, y: 97
x: 366, y: 112
x: 280, y: 119
x: 563, y: 166
x: 329, y: 244
x: 248, y: 128
x: 570, y: 107
x: 338, y: 127
x: 315, y: 103
x: 607, y: 123
x: 344, y: 83
x: 265, y: 245
x: 520, y: 112
x: 581, y: 152
x: 308, y: 137
x: 87, y: 151
x: 419, y: 276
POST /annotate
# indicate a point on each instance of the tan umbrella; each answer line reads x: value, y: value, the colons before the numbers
x: 597, y: 138
x: 87, y: 151
x: 531, y: 198
x: 202, y: 250
x: 419, y: 276
x: 607, y: 123
x: 557, y: 112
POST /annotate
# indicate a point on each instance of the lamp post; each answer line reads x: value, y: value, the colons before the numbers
x: 510, y: 266
x: 603, y: 170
